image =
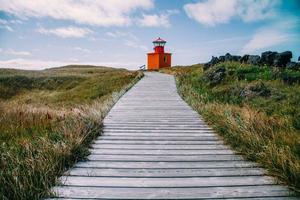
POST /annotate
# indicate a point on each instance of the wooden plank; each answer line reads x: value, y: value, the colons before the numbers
x: 171, y: 193
x: 167, y: 138
x: 158, y: 142
x: 166, y: 165
x: 157, y: 133
x: 171, y: 173
x: 160, y: 152
x: 157, y: 126
x: 182, y: 182
x: 193, y: 124
x: 178, y: 131
x: 164, y: 158
x: 158, y: 146
x: 178, y: 152
x: 160, y: 129
x: 247, y: 198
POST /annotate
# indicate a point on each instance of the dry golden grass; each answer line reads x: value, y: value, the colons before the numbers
x: 270, y: 140
x: 40, y: 139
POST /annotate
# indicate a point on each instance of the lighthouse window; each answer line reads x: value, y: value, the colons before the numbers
x: 165, y: 59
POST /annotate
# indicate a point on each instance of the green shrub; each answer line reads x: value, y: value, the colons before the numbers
x: 291, y: 76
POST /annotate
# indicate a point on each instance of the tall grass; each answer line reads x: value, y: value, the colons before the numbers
x: 40, y: 140
x: 270, y: 139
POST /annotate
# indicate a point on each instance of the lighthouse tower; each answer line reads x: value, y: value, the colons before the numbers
x: 159, y: 59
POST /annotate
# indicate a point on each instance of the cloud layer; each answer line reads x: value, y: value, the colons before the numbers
x: 91, y: 12
x: 214, y: 12
x: 66, y: 32
x: 272, y: 35
x: 157, y: 20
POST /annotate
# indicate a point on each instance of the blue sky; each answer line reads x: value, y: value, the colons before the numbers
x: 37, y: 34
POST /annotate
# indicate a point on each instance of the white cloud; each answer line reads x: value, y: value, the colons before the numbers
x: 135, y: 45
x: 212, y: 12
x: 82, y: 49
x: 157, y: 20
x: 14, y: 21
x: 265, y: 38
x: 120, y: 34
x: 272, y: 35
x: 91, y: 12
x: 7, y: 24
x: 129, y: 39
x: 15, y: 53
x: 154, y: 21
x: 66, y: 32
x: 6, y: 27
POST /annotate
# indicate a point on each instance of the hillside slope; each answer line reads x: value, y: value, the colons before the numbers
x: 47, y: 121
x: 253, y: 108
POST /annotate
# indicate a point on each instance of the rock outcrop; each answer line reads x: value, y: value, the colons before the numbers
x: 268, y: 58
x: 281, y: 59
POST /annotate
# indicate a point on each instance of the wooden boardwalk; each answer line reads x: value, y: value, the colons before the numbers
x: 155, y: 146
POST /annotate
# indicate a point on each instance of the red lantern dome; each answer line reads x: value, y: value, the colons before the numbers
x: 159, y: 45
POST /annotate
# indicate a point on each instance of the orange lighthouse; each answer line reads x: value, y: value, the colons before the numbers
x: 159, y: 59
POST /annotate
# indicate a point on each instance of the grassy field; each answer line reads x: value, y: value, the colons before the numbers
x: 48, y: 118
x: 255, y: 109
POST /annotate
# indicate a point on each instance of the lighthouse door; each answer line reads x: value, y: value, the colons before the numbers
x: 165, y: 59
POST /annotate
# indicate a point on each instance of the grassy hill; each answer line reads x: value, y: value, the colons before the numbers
x: 256, y: 109
x: 47, y: 120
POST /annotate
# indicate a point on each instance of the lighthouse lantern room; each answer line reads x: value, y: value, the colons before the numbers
x: 159, y: 59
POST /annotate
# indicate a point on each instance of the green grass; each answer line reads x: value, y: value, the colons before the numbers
x: 48, y: 119
x: 253, y: 108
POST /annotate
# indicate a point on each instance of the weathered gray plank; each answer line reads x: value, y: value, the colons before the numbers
x: 168, y: 138
x: 165, y: 165
x: 157, y: 133
x: 246, y: 198
x: 157, y: 130
x: 182, y: 182
x: 171, y: 193
x: 162, y: 158
x: 159, y: 142
x: 161, y: 152
x: 158, y: 146
x: 219, y: 172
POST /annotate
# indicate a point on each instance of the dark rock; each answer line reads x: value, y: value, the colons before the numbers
x: 293, y: 66
x: 258, y: 89
x: 213, y: 61
x: 261, y: 89
x: 253, y: 59
x: 236, y: 58
x: 281, y: 59
x: 220, y: 69
x: 221, y: 58
x: 244, y: 59
x: 267, y: 57
x: 215, y: 76
x: 227, y: 57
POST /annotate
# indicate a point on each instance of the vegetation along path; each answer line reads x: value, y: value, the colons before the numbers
x: 154, y: 146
